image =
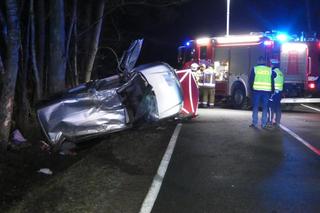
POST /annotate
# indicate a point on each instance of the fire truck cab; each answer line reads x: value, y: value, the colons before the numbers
x: 233, y: 57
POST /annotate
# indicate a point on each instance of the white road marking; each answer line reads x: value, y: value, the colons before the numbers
x: 154, y: 189
x: 316, y: 109
x: 304, y: 142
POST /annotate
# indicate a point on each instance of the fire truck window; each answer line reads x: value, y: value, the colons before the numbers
x: 221, y: 63
x: 239, y: 62
x: 189, y: 54
x: 203, y: 52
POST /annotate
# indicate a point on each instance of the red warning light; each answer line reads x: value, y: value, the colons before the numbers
x: 311, y: 85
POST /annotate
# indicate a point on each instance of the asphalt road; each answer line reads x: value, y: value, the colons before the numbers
x: 220, y: 164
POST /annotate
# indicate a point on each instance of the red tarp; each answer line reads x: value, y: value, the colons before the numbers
x: 190, y: 93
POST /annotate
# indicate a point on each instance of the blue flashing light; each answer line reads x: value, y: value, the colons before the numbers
x: 282, y: 37
x: 188, y: 43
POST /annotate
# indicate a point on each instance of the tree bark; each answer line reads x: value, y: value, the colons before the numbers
x: 57, y: 61
x: 75, y: 50
x: 41, y: 38
x: 85, y: 38
x: 11, y: 71
x: 1, y: 73
x: 1, y: 67
x: 33, y: 53
x: 95, y: 41
x: 70, y: 34
x: 23, y: 111
x: 4, y: 28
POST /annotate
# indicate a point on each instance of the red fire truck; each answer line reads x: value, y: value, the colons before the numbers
x: 234, y: 56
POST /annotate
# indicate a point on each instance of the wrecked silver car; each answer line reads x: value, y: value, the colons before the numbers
x: 146, y: 93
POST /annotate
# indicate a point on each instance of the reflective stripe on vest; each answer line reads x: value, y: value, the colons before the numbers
x: 207, y: 79
x: 279, y: 80
x: 262, y: 79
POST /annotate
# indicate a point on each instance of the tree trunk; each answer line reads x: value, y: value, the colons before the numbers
x: 75, y: 50
x: 1, y: 73
x: 1, y: 67
x: 11, y: 71
x: 41, y: 38
x: 70, y: 33
x: 4, y: 28
x: 85, y: 37
x: 23, y: 111
x: 33, y: 53
x: 95, y: 41
x: 57, y: 61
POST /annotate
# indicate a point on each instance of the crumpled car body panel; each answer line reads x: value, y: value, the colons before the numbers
x: 107, y: 105
x: 83, y: 114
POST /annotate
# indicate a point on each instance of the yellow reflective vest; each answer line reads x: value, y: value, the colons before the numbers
x: 262, y: 79
x: 279, y: 80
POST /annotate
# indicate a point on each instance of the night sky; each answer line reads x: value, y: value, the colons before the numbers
x: 164, y: 29
x: 250, y: 15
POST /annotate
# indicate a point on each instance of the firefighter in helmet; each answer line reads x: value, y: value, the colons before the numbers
x: 206, y: 82
x: 194, y: 67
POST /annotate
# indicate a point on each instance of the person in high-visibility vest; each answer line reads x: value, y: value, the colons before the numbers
x: 262, y: 86
x: 275, y: 103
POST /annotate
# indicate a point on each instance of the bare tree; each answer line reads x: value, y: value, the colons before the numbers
x: 75, y: 50
x: 93, y: 27
x: 57, y: 61
x: 41, y: 42
x: 73, y: 71
x: 1, y: 67
x: 11, y: 71
x: 33, y: 53
x: 4, y: 31
x: 23, y: 111
x: 93, y: 49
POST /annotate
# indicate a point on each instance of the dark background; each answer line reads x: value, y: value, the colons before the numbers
x: 165, y: 28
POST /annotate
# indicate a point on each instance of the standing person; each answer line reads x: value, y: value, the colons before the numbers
x: 275, y: 115
x: 262, y: 85
x: 199, y: 77
x: 206, y: 82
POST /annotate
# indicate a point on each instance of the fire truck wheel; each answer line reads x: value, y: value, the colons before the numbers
x: 238, y: 97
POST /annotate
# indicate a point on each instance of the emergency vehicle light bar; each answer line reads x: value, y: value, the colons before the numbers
x: 238, y: 39
x: 203, y: 41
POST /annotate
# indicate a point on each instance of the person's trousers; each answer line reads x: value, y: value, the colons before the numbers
x: 260, y: 97
x: 276, y: 108
x: 207, y: 96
